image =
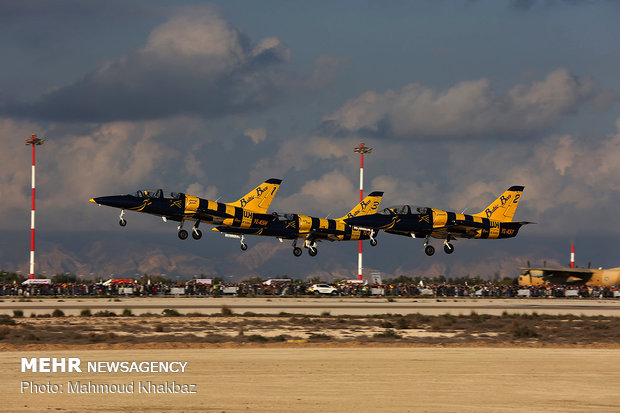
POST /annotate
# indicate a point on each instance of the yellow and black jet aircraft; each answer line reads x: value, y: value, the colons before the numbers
x: 249, y: 211
x: 310, y: 229
x: 495, y: 221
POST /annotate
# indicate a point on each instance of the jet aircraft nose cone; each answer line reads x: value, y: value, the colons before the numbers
x: 93, y: 201
x: 118, y: 201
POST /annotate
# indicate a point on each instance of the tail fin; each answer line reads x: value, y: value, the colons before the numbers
x: 368, y: 206
x: 259, y: 198
x: 504, y: 207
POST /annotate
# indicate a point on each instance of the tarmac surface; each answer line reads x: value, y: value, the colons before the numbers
x: 315, y: 306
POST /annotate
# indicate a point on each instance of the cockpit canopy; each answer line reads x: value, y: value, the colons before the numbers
x: 405, y: 209
x: 157, y: 193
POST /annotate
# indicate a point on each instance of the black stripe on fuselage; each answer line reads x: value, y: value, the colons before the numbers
x: 348, y: 232
x: 331, y: 225
x: 315, y: 222
x: 238, y: 215
x: 221, y: 209
x: 450, y: 217
x: 469, y: 218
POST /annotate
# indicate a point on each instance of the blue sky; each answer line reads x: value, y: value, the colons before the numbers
x: 459, y: 99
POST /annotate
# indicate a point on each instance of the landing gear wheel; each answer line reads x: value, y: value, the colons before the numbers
x: 244, y: 247
x: 196, y: 234
x: 297, y: 251
x: 183, y: 234
x: 312, y: 251
x: 373, y: 242
x: 122, y: 222
x: 448, y: 248
x: 429, y: 250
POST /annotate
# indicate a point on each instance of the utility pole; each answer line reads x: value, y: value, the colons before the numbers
x: 361, y: 149
x: 34, y: 141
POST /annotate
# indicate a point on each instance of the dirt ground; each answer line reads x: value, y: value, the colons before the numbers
x: 311, y: 361
x: 338, y: 379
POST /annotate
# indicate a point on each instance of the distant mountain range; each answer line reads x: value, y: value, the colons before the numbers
x: 131, y: 254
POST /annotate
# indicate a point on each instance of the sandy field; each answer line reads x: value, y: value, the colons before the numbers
x: 497, y: 355
x: 326, y: 379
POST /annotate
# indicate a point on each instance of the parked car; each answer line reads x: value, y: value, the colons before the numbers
x: 318, y: 289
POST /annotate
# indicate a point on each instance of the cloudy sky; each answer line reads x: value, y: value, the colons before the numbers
x: 459, y: 100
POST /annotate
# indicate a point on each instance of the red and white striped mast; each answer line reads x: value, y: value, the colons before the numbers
x: 34, y: 141
x: 361, y: 149
x: 572, y: 255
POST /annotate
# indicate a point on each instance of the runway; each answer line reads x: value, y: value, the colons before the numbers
x: 316, y: 306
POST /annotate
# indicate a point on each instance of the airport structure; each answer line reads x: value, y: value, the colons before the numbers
x: 33, y: 141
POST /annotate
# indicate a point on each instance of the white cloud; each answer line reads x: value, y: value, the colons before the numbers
x: 332, y: 192
x: 197, y: 189
x: 470, y: 108
x: 257, y: 135
x: 195, y: 64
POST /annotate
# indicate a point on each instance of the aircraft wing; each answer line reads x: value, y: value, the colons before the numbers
x: 464, y: 229
x: 407, y: 233
x: 583, y: 273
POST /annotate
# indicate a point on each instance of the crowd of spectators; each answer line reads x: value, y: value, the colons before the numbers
x: 300, y: 288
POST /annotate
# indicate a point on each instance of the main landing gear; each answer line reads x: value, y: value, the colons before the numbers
x: 244, y: 246
x: 196, y: 233
x: 448, y: 248
x: 311, y: 245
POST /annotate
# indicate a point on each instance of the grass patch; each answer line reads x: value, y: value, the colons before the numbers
x: 105, y: 313
x: 170, y: 312
x: 388, y: 333
x: 58, y: 313
x: 524, y: 331
x: 257, y: 338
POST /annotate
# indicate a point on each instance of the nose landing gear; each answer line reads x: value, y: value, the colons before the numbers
x: 121, y: 219
x: 373, y: 240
